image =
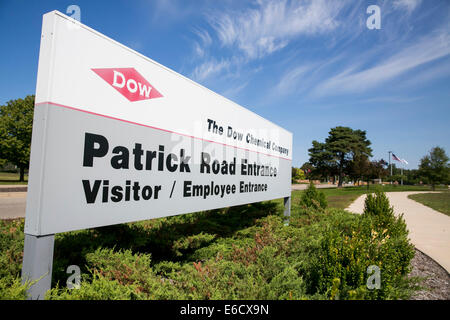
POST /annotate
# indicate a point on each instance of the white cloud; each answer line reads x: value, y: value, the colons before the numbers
x: 233, y: 91
x: 428, y: 75
x: 292, y: 78
x: 209, y: 68
x: 408, y: 5
x: 427, y: 49
x: 170, y: 11
x: 260, y: 30
x: 203, y: 43
x: 272, y: 25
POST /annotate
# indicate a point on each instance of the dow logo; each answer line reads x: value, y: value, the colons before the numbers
x: 130, y: 83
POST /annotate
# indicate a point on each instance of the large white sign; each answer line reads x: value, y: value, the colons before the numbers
x: 118, y: 137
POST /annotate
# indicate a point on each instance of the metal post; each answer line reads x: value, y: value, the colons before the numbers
x: 287, y: 210
x: 390, y: 165
x: 401, y: 175
x: 37, y: 264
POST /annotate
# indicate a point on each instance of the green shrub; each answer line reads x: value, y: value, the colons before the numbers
x: 192, y: 242
x: 347, y: 248
x: 313, y: 198
x: 243, y: 252
x: 100, y: 288
x: 12, y: 289
x: 378, y: 208
x: 11, y: 248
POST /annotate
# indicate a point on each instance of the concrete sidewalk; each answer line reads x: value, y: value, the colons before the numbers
x: 429, y: 230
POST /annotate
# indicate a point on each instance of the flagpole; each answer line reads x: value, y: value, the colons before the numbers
x: 390, y: 164
x: 402, y: 175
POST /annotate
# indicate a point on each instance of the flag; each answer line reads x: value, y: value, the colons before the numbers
x: 398, y: 159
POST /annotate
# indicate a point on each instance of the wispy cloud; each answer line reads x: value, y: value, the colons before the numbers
x: 428, y: 75
x: 388, y: 99
x: 271, y: 25
x: 292, y: 78
x: 323, y: 46
x: 408, y: 5
x: 234, y: 38
x: 233, y: 91
x: 426, y: 50
x: 210, y: 68
x: 171, y: 11
x: 204, y: 41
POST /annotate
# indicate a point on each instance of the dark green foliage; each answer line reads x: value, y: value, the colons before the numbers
x: 313, y: 198
x: 11, y: 248
x: 11, y: 254
x: 340, y: 148
x: 435, y: 167
x: 16, y: 121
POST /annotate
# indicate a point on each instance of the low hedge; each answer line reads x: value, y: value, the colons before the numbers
x: 242, y: 252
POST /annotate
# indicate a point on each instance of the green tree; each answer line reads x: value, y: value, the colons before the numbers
x: 434, y: 167
x: 307, y: 169
x: 16, y: 121
x: 378, y: 169
x: 321, y: 160
x: 359, y: 168
x: 313, y: 198
x: 340, y: 148
x: 297, y: 174
x: 362, y: 169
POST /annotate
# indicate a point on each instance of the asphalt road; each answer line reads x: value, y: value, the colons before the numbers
x: 12, y: 204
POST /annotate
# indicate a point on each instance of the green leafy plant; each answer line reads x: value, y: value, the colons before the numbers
x: 313, y: 198
x: 242, y: 252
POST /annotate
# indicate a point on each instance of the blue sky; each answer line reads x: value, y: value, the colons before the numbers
x: 305, y: 65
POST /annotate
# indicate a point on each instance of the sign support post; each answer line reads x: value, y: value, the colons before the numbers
x: 37, y: 264
x: 287, y: 210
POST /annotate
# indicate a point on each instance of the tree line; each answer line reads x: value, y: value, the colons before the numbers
x: 345, y: 156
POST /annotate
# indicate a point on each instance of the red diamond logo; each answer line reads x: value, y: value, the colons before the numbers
x: 130, y: 83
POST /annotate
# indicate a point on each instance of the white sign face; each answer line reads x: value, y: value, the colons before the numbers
x: 118, y: 137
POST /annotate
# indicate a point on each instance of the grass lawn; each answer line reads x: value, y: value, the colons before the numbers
x: 341, y: 198
x: 11, y: 178
x: 437, y: 201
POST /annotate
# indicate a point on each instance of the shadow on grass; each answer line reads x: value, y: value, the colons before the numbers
x: 13, y: 181
x: 157, y: 236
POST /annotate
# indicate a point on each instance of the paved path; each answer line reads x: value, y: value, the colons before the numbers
x: 429, y: 230
x: 12, y: 204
